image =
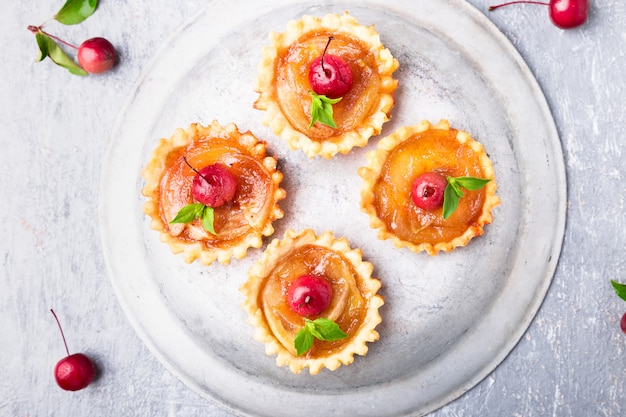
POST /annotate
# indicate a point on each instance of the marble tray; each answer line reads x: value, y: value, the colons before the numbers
x: 448, y: 320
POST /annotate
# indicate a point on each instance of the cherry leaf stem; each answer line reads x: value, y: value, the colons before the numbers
x: 330, y: 38
x: 76, y: 11
x: 517, y: 2
x: 49, y: 48
x: 37, y: 30
x: 61, y: 329
x: 195, y: 170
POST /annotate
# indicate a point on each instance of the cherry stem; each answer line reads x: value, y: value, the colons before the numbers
x: 195, y: 170
x: 517, y: 2
x: 61, y: 329
x: 330, y: 38
x: 37, y: 29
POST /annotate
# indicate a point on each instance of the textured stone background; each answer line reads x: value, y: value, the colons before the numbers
x: 571, y: 361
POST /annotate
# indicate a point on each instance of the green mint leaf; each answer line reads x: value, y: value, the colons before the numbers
x: 620, y: 289
x: 188, y: 213
x: 453, y: 192
x: 455, y: 186
x: 471, y: 183
x: 320, y: 328
x: 208, y: 217
x: 328, y: 330
x: 322, y: 109
x: 450, y: 201
x: 76, y: 11
x: 303, y: 341
x: 48, y: 47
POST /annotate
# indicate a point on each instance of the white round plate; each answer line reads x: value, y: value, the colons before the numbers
x: 448, y: 320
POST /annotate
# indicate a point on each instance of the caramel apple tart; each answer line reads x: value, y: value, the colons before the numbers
x: 326, y: 84
x: 312, y: 301
x: 429, y: 188
x: 212, y: 192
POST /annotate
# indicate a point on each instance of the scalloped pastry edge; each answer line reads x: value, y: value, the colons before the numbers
x: 370, y: 174
x: 153, y: 171
x: 275, y: 252
x: 276, y: 120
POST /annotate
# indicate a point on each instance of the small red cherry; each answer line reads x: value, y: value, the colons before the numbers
x: 428, y: 189
x: 214, y: 185
x: 74, y: 372
x: 330, y: 75
x: 565, y: 14
x: 309, y: 295
x: 96, y: 55
x: 623, y: 323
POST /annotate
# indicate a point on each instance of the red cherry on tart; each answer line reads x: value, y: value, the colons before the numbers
x: 309, y: 295
x: 330, y: 75
x: 428, y: 190
x: 214, y: 185
x: 74, y: 372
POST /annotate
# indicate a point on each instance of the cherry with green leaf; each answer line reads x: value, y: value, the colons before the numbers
x: 432, y: 190
x: 309, y: 295
x: 212, y: 187
x: 95, y: 55
x: 330, y: 78
x: 620, y: 290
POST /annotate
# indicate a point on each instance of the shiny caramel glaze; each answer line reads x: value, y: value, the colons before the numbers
x: 239, y: 224
x: 347, y: 305
x: 405, y: 155
x: 354, y: 304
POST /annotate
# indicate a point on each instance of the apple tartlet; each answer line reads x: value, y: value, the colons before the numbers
x: 312, y: 301
x: 338, y: 59
x: 428, y: 188
x: 212, y: 192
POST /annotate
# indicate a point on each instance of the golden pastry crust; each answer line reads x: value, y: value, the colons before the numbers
x: 403, y: 156
x: 283, y: 84
x: 240, y: 224
x: 354, y: 304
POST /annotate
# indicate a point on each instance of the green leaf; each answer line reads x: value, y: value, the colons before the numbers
x: 48, y: 47
x: 303, y: 341
x: 328, y: 330
x: 320, y: 328
x: 208, y: 217
x: 450, y: 201
x: 188, y: 213
x: 322, y: 109
x: 453, y: 192
x: 620, y: 289
x: 76, y: 11
x: 42, y: 42
x: 471, y: 183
